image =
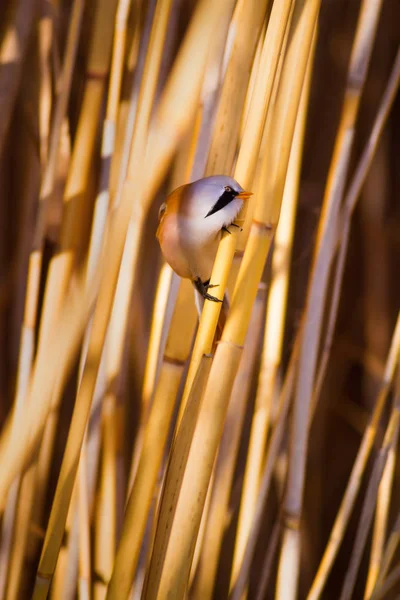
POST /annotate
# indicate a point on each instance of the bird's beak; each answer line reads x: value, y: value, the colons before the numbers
x: 244, y: 195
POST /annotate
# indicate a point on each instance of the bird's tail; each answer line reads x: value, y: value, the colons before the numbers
x: 222, y: 315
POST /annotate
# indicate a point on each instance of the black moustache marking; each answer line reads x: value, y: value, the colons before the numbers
x: 225, y: 199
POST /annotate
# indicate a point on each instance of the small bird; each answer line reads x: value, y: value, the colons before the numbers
x: 190, y: 224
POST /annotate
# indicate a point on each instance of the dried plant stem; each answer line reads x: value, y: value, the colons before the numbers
x: 382, y: 516
x: 35, y: 260
x: 62, y: 264
x: 354, y: 483
x: 179, y: 101
x: 387, y: 558
x: 245, y: 29
x: 169, y: 570
x: 117, y: 234
x: 84, y: 530
x: 155, y: 435
x: 226, y: 460
x: 244, y: 173
x: 273, y: 339
x: 239, y: 579
x: 318, y: 283
x: 350, y: 202
x: 270, y: 460
x: 369, y: 505
x: 13, y: 46
x: 166, y: 295
x: 179, y: 456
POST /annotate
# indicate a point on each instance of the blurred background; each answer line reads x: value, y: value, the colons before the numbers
x: 33, y: 37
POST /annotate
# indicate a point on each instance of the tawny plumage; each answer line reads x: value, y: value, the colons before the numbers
x: 190, y: 225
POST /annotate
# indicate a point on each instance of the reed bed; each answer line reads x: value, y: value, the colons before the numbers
x: 142, y: 455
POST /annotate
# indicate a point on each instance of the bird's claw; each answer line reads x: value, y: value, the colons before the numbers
x: 203, y: 288
x: 231, y: 225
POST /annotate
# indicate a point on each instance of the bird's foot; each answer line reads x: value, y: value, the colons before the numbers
x: 203, y: 288
x: 231, y: 225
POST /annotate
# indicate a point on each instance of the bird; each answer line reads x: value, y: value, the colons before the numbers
x: 191, y: 222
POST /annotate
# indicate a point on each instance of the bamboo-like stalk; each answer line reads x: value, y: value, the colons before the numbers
x: 240, y: 575
x: 13, y: 47
x: 271, y: 456
x: 74, y: 197
x: 245, y: 29
x: 30, y: 313
x: 138, y: 505
x: 105, y: 525
x: 350, y: 202
x: 225, y: 464
x: 84, y: 531
x: 178, y: 104
x: 390, y: 581
x: 273, y: 339
x: 361, y: 52
x: 244, y: 173
x: 10, y: 566
x: 387, y: 558
x: 169, y: 569
x: 62, y: 585
x: 369, y: 505
x: 354, y: 482
x: 118, y: 229
x: 61, y: 266
x: 186, y: 80
x: 160, y: 324
x: 351, y: 199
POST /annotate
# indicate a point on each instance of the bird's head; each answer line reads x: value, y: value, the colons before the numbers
x: 216, y: 199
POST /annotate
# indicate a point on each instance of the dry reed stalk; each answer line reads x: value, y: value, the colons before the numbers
x: 12, y: 570
x: 179, y: 101
x: 168, y: 290
x: 123, y: 216
x: 316, y: 295
x: 66, y: 574
x: 178, y: 458
x: 270, y: 460
x: 243, y: 553
x: 21, y: 16
x: 352, y: 488
x: 174, y: 545
x: 35, y: 260
x: 381, y: 518
x: 62, y: 265
x: 105, y: 528
x: 245, y: 29
x: 154, y: 439
x: 390, y: 581
x: 387, y: 558
x: 15, y: 456
x: 63, y: 586
x: 18, y: 454
x: 84, y: 583
x: 226, y: 460
x: 369, y: 505
x: 273, y: 339
x: 45, y: 99
x: 165, y: 298
x: 350, y: 202
x: 244, y: 173
x: 106, y: 502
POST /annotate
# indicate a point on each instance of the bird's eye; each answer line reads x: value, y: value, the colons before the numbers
x: 227, y: 188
